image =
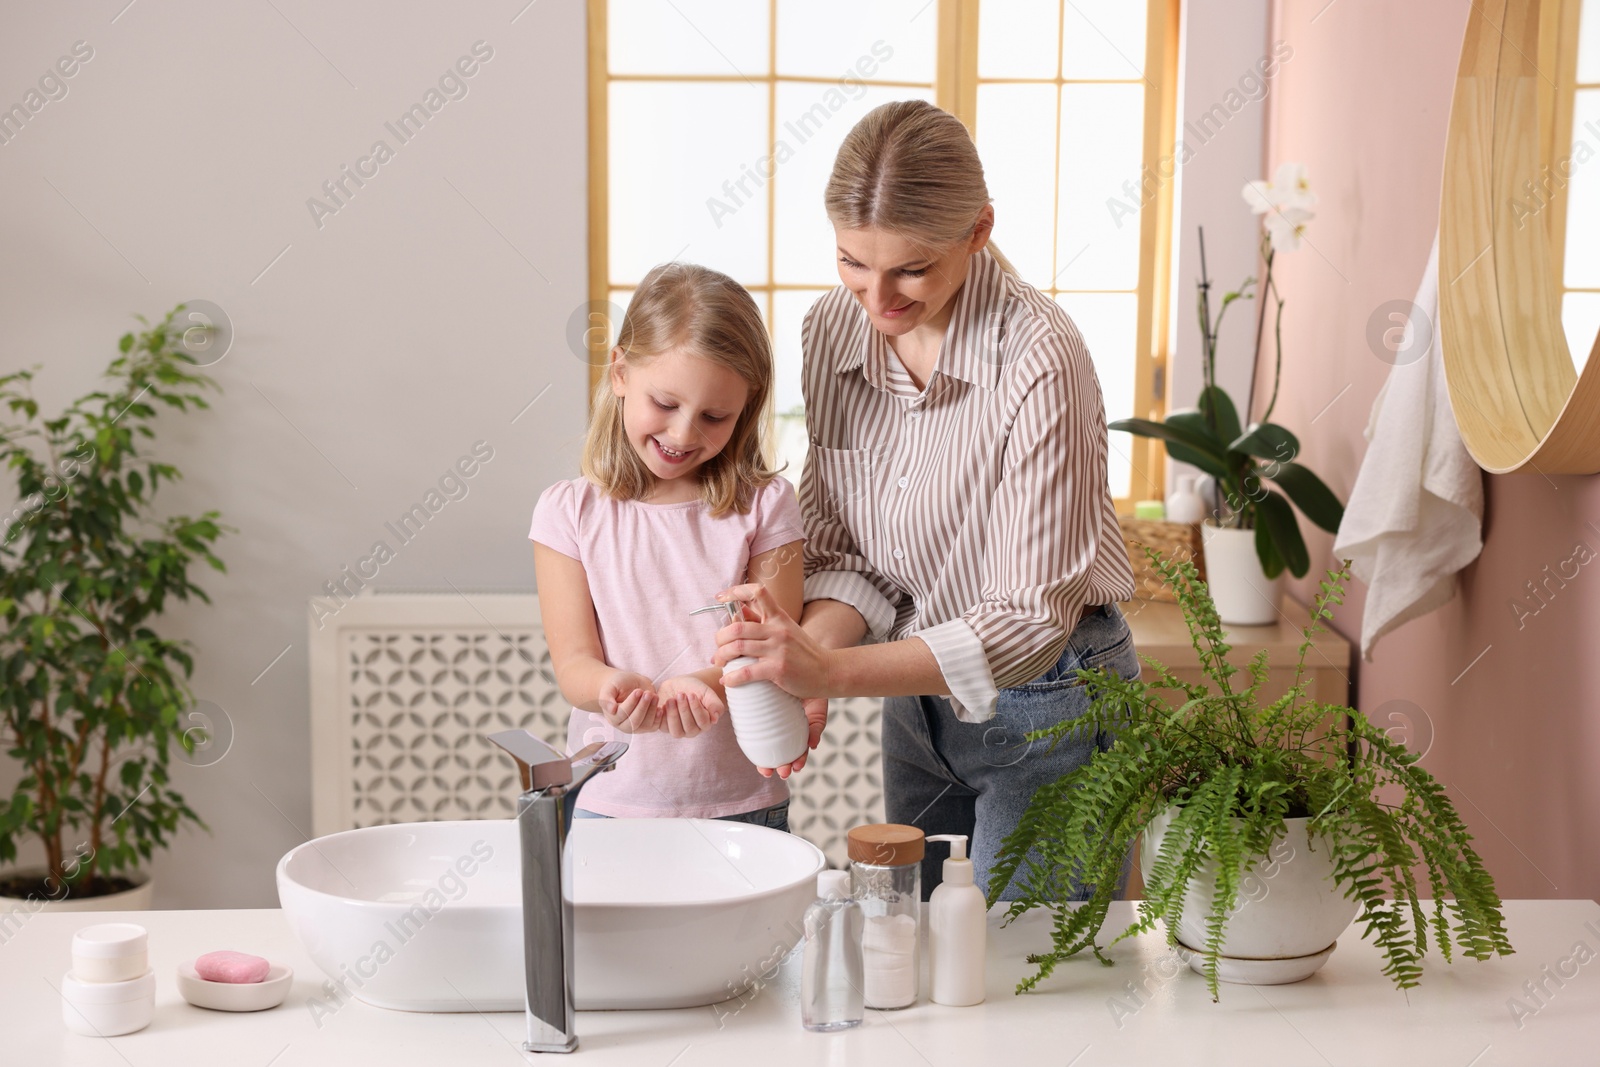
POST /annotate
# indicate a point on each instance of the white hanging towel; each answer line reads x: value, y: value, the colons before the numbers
x: 1415, y: 516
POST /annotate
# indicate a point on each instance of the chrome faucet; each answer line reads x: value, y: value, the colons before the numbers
x: 550, y: 784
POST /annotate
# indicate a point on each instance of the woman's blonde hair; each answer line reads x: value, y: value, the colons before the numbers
x: 911, y: 168
x: 707, y: 314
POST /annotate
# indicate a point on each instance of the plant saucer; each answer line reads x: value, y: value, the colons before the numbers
x: 1241, y: 971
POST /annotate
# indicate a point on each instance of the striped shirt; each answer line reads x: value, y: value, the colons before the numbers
x: 973, y: 513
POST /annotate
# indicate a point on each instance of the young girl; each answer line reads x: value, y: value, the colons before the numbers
x: 676, y: 504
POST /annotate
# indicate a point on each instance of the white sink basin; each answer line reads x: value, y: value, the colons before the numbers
x: 671, y: 913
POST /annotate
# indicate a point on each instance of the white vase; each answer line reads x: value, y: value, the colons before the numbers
x: 1243, y: 593
x: 1289, y: 915
x: 136, y: 899
x: 769, y: 723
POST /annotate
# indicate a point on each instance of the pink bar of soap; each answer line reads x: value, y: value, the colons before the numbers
x: 235, y: 968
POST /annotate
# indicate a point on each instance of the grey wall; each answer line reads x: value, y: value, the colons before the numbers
x: 416, y: 321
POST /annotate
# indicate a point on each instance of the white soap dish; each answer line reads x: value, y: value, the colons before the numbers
x: 235, y: 996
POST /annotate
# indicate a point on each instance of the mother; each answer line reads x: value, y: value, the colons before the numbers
x: 955, y: 497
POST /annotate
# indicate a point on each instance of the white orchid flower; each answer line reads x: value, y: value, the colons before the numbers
x: 1288, y: 188
x: 1286, y: 201
x: 1285, y: 226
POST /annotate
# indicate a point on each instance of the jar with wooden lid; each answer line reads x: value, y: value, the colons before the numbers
x: 886, y: 878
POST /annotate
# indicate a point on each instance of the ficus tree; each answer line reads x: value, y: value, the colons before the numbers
x: 92, y: 698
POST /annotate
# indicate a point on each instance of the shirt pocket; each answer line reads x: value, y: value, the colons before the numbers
x: 847, y: 491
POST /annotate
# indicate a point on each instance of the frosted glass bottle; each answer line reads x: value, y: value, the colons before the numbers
x: 830, y: 969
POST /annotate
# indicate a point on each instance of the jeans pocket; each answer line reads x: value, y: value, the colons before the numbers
x: 1022, y: 710
x: 778, y: 817
x: 1060, y: 695
x: 1084, y: 652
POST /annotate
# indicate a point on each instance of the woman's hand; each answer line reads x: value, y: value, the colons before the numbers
x: 785, y: 653
x: 691, y: 705
x: 628, y: 702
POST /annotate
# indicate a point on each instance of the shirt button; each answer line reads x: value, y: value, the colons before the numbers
x: 899, y: 554
x: 914, y: 414
x: 903, y: 482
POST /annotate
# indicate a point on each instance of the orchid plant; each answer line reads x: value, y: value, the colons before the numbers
x: 1242, y: 460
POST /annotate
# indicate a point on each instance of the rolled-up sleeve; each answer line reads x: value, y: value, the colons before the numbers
x: 1041, y: 539
x: 965, y: 666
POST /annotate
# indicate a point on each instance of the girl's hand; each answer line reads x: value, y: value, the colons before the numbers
x: 817, y: 718
x: 628, y: 702
x: 691, y: 705
x: 785, y: 653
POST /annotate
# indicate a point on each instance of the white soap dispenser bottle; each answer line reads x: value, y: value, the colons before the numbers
x: 957, y: 930
x: 769, y: 723
x: 1184, y: 503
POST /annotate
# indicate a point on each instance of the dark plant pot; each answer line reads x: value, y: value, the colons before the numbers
x: 136, y: 899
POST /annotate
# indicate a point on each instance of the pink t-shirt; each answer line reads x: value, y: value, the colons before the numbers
x: 648, y: 566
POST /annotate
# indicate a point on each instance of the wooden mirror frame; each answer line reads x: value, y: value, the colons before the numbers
x: 1517, y: 399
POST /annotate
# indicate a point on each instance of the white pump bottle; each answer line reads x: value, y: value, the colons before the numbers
x: 770, y: 724
x: 957, y: 931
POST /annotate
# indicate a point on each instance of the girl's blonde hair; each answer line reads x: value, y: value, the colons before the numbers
x: 707, y: 314
x: 911, y: 168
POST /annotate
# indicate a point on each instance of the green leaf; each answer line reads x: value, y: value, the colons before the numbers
x: 1212, y: 460
x: 1172, y: 433
x: 1273, y: 512
x: 126, y: 343
x: 1269, y: 441
x: 1213, y: 399
x: 1310, y: 495
x: 1267, y: 552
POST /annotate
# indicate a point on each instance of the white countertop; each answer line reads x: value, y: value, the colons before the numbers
x: 1348, y: 1013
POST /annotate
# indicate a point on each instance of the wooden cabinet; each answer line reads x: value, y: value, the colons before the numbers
x: 1159, y: 631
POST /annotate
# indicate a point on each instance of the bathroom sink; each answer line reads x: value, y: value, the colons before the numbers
x: 670, y: 913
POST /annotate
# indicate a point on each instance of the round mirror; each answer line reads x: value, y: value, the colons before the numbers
x: 1519, y: 237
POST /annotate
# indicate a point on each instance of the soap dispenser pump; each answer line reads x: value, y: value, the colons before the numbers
x: 957, y: 930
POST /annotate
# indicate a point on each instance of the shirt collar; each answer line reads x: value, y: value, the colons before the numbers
x: 971, y: 344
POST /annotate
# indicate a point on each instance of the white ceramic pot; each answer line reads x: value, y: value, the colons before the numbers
x: 136, y: 899
x: 1243, y: 593
x: 1289, y: 914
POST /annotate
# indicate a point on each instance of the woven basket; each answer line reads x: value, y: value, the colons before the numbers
x: 1174, y: 540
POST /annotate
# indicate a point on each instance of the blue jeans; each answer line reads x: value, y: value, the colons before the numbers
x: 946, y: 776
x: 775, y: 817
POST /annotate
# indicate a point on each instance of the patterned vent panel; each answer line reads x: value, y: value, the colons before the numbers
x: 421, y: 702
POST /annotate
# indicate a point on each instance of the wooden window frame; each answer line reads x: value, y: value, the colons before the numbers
x: 956, y: 90
x: 1558, y: 41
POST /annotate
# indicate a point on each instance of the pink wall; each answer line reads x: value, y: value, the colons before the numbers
x: 1516, y: 739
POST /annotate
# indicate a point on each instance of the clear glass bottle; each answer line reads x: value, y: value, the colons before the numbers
x: 886, y: 876
x: 830, y: 969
